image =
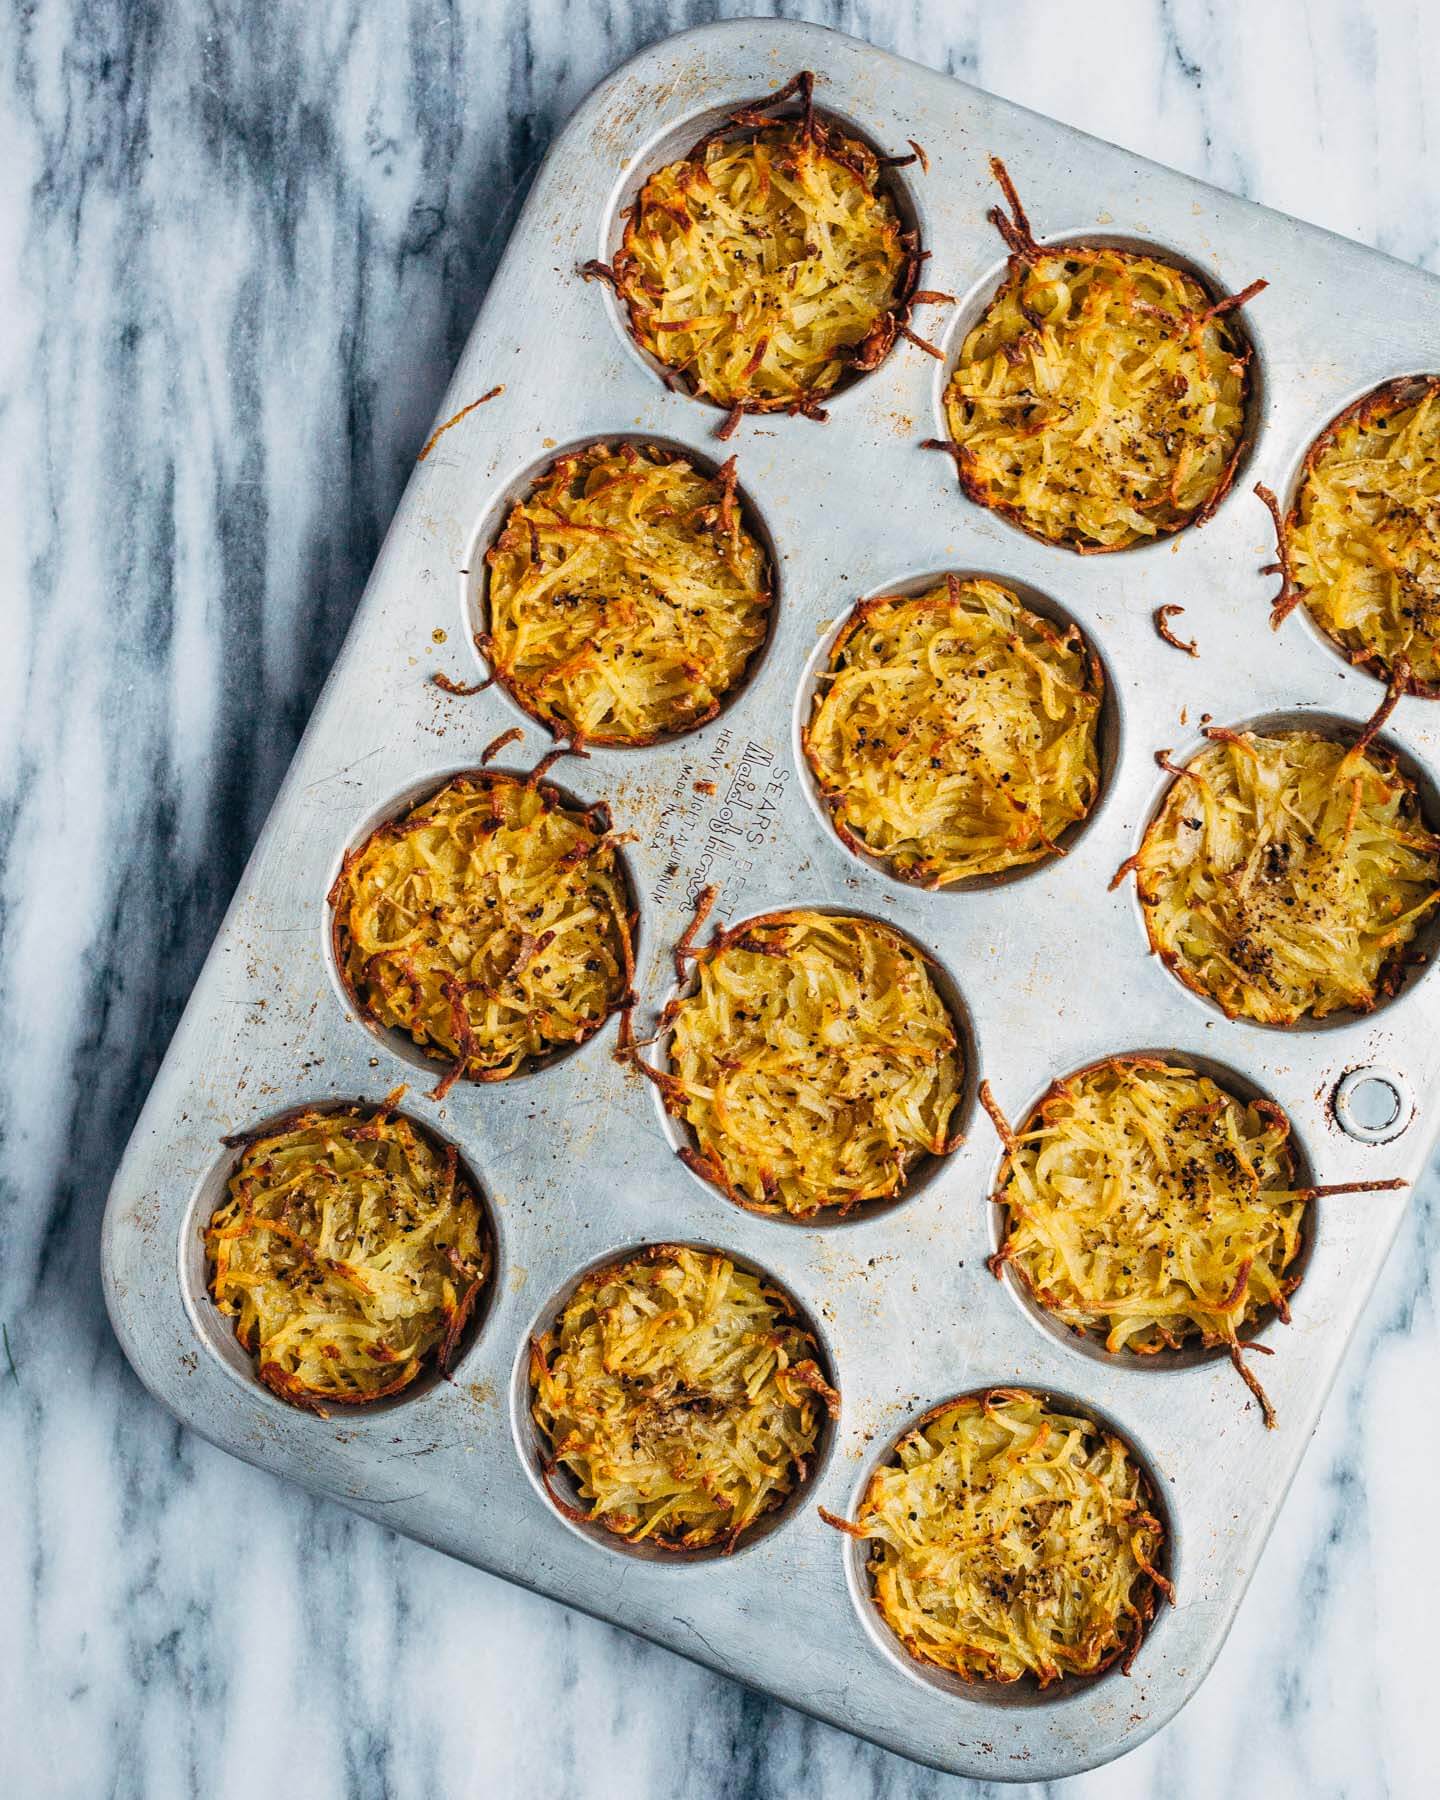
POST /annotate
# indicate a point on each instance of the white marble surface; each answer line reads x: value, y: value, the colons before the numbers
x: 239, y: 248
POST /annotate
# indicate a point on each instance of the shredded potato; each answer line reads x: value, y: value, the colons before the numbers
x: 682, y: 1395
x: 1147, y: 1205
x: 767, y: 263
x: 954, y: 735
x: 1284, y: 874
x: 350, y: 1252
x: 1363, y: 536
x: 491, y: 923
x: 815, y: 1063
x: 1100, y: 401
x: 1012, y: 1539
x: 626, y: 595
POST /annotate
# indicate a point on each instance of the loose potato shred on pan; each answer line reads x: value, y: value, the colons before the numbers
x: 1162, y: 616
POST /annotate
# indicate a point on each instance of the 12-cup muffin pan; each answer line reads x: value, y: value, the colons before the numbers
x: 1049, y: 967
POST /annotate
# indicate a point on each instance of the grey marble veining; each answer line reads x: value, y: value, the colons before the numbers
x: 239, y: 250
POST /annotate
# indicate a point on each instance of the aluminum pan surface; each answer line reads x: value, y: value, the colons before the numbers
x: 1053, y: 968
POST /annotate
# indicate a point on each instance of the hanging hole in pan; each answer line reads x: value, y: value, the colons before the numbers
x: 1373, y: 1105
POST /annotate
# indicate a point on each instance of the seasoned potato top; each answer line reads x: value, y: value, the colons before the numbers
x: 766, y: 263
x: 1100, y: 400
x: 1363, y: 537
x: 349, y: 1249
x: 1012, y: 1538
x: 491, y: 924
x: 682, y: 1395
x: 815, y: 1063
x: 1148, y: 1204
x: 626, y: 594
x: 954, y: 734
x: 1285, y: 874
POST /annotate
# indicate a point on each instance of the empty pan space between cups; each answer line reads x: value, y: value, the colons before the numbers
x: 1109, y: 735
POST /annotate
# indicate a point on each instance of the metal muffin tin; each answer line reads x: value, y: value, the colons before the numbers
x: 1052, y: 966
